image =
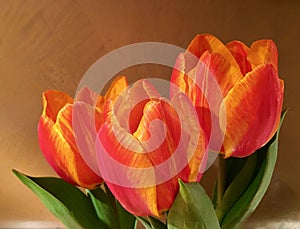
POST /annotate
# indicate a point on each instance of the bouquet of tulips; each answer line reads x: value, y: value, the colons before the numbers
x: 133, y: 157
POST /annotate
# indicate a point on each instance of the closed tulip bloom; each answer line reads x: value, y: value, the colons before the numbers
x: 248, y: 80
x: 146, y: 144
x: 56, y: 134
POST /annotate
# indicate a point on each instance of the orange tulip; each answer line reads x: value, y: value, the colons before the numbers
x: 251, y: 90
x: 56, y: 134
x: 146, y: 144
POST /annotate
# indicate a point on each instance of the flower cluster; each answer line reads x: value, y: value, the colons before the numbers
x: 224, y: 98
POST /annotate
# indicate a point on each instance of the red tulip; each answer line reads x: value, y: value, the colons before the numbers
x: 56, y: 134
x: 146, y: 144
x: 251, y: 90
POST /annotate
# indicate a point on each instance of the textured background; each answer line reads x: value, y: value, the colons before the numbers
x: 50, y: 45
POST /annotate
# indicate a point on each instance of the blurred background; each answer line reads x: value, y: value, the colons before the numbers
x: 47, y: 44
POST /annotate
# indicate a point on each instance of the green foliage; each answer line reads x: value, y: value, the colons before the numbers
x: 192, y: 208
x: 65, y: 201
x: 245, y: 182
x: 246, y: 190
x: 110, y: 211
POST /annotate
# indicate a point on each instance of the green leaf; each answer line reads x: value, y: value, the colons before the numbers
x: 237, y: 187
x: 192, y: 208
x: 254, y: 193
x: 65, y: 201
x: 110, y: 211
x: 228, y: 169
x: 156, y: 223
x: 105, y: 208
x: 144, y: 222
x: 214, y: 197
x: 127, y: 220
x: 151, y: 223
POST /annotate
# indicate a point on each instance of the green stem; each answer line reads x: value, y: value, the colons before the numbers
x: 221, y: 178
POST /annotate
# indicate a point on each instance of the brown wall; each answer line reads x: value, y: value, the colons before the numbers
x: 50, y: 44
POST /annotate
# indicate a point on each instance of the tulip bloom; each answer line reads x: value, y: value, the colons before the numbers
x: 56, y: 134
x: 248, y: 80
x: 146, y: 144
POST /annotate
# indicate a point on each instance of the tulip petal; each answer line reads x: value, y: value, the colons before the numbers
x: 87, y: 96
x: 49, y: 138
x: 181, y: 81
x: 263, y: 52
x: 159, y: 133
x: 116, y: 88
x: 91, y: 98
x: 53, y: 101
x: 193, y: 84
x: 123, y: 147
x: 78, y: 168
x: 206, y: 49
x: 88, y: 117
x: 135, y: 160
x: 126, y: 105
x: 114, y: 91
x: 206, y: 85
x: 240, y: 51
x: 59, y: 147
x: 192, y: 134
x: 257, y: 118
x: 135, y: 150
x: 200, y: 52
x: 206, y: 42
x: 220, y: 70
x: 86, y: 121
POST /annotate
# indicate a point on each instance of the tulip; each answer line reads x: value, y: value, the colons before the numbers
x: 251, y: 90
x: 56, y: 134
x: 146, y: 144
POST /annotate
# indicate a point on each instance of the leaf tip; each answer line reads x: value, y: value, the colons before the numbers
x: 181, y: 184
x: 16, y: 172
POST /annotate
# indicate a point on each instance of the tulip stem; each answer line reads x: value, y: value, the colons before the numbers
x: 221, y: 178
